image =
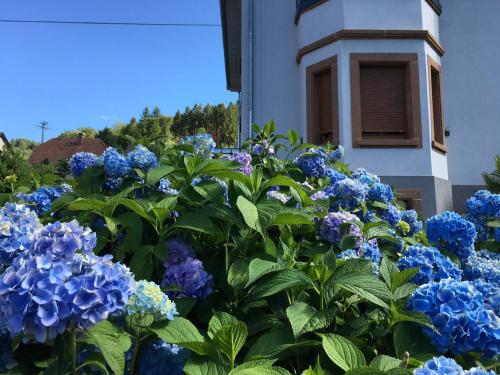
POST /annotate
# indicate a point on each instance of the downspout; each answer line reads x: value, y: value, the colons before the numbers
x: 250, y: 68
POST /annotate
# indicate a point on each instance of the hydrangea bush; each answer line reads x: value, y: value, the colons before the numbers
x: 276, y: 259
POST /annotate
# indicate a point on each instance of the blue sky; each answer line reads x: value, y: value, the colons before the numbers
x: 77, y: 75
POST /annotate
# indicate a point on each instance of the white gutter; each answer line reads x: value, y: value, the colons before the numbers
x: 250, y: 67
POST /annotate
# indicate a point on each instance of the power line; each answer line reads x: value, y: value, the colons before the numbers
x: 92, y: 23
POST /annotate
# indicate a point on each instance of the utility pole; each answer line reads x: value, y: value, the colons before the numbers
x: 43, y: 126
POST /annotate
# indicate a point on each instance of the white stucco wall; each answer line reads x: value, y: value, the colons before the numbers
x: 470, y: 33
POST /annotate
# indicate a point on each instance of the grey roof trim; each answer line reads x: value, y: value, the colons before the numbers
x: 230, y: 12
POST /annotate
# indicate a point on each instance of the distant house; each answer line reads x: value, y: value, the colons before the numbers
x: 371, y: 75
x: 58, y: 149
x: 4, y: 142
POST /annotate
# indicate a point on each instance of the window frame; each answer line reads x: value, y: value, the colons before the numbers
x: 414, y: 121
x: 435, y: 68
x: 311, y: 71
x: 411, y: 197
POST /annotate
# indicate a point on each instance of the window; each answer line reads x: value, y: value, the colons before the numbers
x: 436, y: 106
x: 385, y: 100
x: 412, y: 198
x: 322, y: 102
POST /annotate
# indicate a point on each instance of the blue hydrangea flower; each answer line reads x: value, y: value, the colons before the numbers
x: 81, y: 161
x: 380, y: 192
x: 244, y: 159
x: 148, y: 299
x: 453, y: 232
x: 391, y: 214
x: 60, y: 283
x: 142, y: 158
x: 484, y: 204
x: 411, y: 218
x: 18, y: 228
x: 116, y: 165
x: 440, y: 366
x: 348, y: 193
x: 496, y: 234
x: 363, y: 176
x: 434, y: 266
x: 159, y: 357
x: 165, y: 187
x: 312, y: 163
x: 203, y: 144
x: 457, y: 310
x: 482, y: 229
x: 188, y: 279
x: 479, y: 371
x: 332, y: 229
x: 334, y: 176
x: 42, y: 198
x: 366, y: 251
x: 336, y: 154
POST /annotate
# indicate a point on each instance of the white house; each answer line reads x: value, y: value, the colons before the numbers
x: 410, y: 88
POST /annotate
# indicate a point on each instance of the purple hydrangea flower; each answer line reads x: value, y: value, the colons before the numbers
x: 178, y: 251
x: 453, y: 232
x: 457, y: 310
x: 142, y: 158
x: 331, y: 228
x: 434, y: 266
x: 81, y: 161
x: 244, y: 159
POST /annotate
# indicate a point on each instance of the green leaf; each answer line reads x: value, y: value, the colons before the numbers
x: 365, y: 286
x: 411, y: 316
x: 385, y: 363
x: 156, y: 174
x: 291, y: 216
x: 237, y: 276
x: 111, y: 342
x: 141, y: 263
x: 260, y: 267
x: 231, y: 338
x: 195, y: 221
x: 249, y: 212
x: 343, y: 352
x: 401, y: 277
x: 259, y: 370
x: 365, y: 371
x: 387, y: 270
x: 404, y: 291
x: 136, y: 206
x: 409, y: 338
x: 493, y: 223
x: 182, y: 332
x: 198, y: 365
x: 219, y: 319
x: 279, y: 282
x: 299, y: 314
x: 348, y: 242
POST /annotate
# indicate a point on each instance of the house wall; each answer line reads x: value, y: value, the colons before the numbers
x: 2, y: 143
x: 470, y: 32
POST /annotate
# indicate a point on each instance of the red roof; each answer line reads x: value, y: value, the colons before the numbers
x: 63, y: 148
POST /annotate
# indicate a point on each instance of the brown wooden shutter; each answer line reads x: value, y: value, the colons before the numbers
x: 437, y: 114
x: 322, y: 102
x: 384, y: 100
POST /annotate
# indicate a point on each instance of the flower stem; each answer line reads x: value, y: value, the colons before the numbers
x: 72, y: 344
x: 134, y: 355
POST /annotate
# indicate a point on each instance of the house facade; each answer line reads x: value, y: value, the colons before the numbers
x: 408, y: 87
x: 58, y: 149
x: 4, y: 142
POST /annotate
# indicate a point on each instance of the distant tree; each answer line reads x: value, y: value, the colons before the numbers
x: 13, y: 167
x: 109, y: 137
x: 87, y: 132
x: 492, y: 179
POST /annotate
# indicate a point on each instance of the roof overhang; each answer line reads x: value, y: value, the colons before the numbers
x: 4, y: 139
x: 230, y: 13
